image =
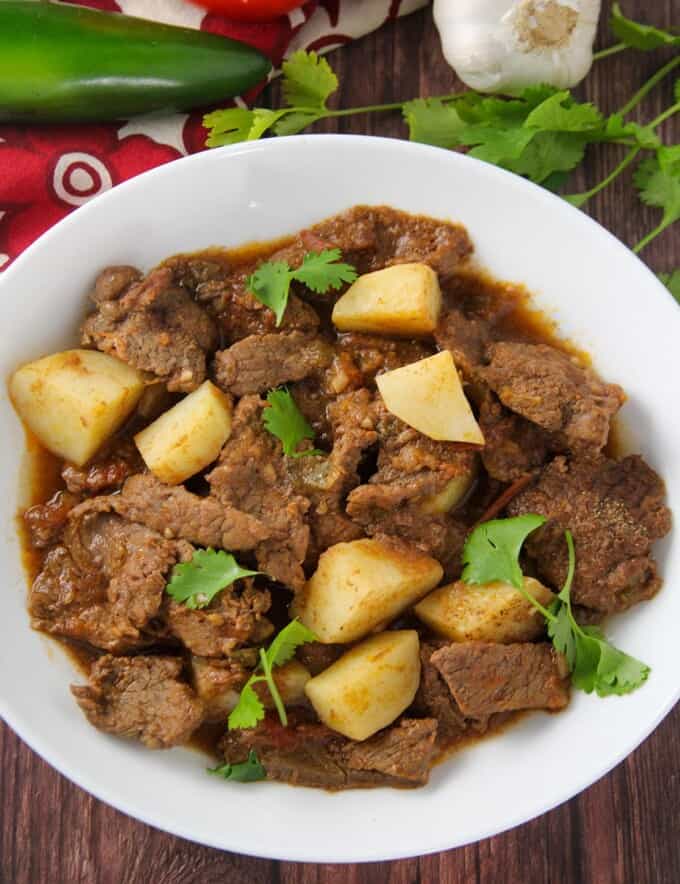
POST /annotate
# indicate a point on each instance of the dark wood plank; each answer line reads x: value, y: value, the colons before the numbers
x: 621, y: 830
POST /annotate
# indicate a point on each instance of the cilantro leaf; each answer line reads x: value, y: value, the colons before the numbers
x: 270, y: 284
x: 308, y: 80
x: 228, y: 126
x: 283, y: 419
x: 492, y: 550
x: 319, y: 271
x: 431, y: 121
x: 196, y: 583
x: 246, y: 772
x: 295, y: 121
x: 658, y: 181
x: 672, y: 283
x: 284, y: 645
x: 559, y: 113
x: 639, y: 36
x: 249, y: 709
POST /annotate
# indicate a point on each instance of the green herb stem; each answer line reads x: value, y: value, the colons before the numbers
x: 273, y: 690
x: 610, y: 50
x: 645, y: 241
x: 649, y: 85
x: 673, y: 109
x: 580, y: 199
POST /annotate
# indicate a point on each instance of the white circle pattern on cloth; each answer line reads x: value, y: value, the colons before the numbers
x: 78, y: 177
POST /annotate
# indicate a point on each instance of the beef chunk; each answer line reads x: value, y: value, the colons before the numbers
x: 141, y: 697
x: 262, y: 362
x: 513, y: 445
x: 359, y: 358
x: 372, y: 237
x: 309, y: 754
x: 434, y: 699
x: 177, y: 513
x: 317, y: 657
x: 615, y: 511
x: 113, y: 282
x: 550, y: 389
x: 107, y: 471
x: 251, y: 476
x: 46, y: 521
x: 411, y: 469
x: 405, y: 751
x: 466, y: 338
x: 105, y: 583
x: 486, y: 677
x: 154, y: 326
x: 233, y: 618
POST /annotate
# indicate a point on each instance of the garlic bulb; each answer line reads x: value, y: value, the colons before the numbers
x: 497, y: 45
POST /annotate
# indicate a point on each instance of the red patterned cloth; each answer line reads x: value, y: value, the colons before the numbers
x: 46, y: 172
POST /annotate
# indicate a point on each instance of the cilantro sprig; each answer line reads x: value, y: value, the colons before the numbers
x: 319, y: 271
x: 245, y: 772
x: 249, y: 709
x: 541, y: 133
x: 196, y: 583
x: 492, y: 553
x: 283, y: 419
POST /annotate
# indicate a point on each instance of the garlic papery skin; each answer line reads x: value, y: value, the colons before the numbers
x: 505, y: 45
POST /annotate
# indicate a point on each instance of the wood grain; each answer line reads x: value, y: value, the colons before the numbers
x: 623, y: 830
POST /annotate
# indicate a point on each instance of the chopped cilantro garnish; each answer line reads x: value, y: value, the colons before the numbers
x: 196, y: 583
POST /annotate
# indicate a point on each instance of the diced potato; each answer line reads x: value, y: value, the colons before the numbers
x: 492, y: 612
x: 400, y: 300
x: 290, y: 679
x: 451, y: 495
x: 369, y: 686
x: 219, y: 685
x: 75, y: 400
x: 360, y: 585
x: 429, y: 397
x: 188, y: 437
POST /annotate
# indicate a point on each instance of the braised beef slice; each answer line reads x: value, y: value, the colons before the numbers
x: 485, y: 677
x: 155, y: 326
x: 107, y: 472
x: 513, y: 446
x: 434, y: 699
x: 177, y: 513
x: 45, y: 521
x: 549, y: 388
x: 615, y: 510
x: 261, y: 362
x: 105, y: 583
x: 412, y: 468
x: 141, y: 697
x: 251, y: 476
x: 317, y: 657
x: 309, y: 754
x: 234, y: 617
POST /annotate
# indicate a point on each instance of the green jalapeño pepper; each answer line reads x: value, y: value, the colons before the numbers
x: 63, y: 63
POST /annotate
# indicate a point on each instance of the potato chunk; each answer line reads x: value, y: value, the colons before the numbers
x: 187, y: 437
x: 493, y: 612
x: 74, y: 400
x: 428, y: 396
x: 369, y: 686
x: 360, y: 585
x: 451, y: 494
x: 400, y: 300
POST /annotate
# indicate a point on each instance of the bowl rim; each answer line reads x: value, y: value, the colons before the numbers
x: 41, y: 743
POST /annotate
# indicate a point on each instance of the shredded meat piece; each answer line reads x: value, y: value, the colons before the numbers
x: 233, y: 618
x: 251, y: 476
x: 107, y: 472
x: 46, y: 521
x: 550, y: 389
x: 513, y: 446
x: 154, y: 326
x: 615, y: 510
x: 141, y: 697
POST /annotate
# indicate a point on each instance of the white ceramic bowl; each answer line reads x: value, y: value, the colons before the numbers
x: 601, y: 295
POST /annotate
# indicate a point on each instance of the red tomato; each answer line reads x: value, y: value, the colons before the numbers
x: 250, y: 10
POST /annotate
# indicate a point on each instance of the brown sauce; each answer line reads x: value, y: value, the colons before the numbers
x: 507, y: 306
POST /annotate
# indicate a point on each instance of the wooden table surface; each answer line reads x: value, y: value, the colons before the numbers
x: 623, y: 830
